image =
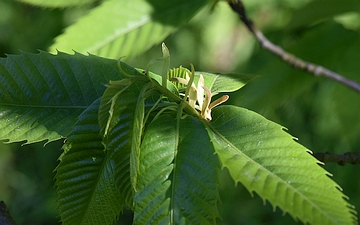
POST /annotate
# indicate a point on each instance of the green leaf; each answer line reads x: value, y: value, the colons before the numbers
x: 109, y: 103
x: 42, y: 95
x: 137, y: 134
x: 87, y: 193
x: 177, y: 181
x: 125, y: 28
x: 178, y: 72
x: 169, y: 85
x: 218, y: 83
x: 118, y: 141
x: 57, y: 3
x: 265, y: 159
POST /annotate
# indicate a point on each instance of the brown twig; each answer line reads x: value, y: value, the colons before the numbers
x: 346, y: 158
x: 5, y: 217
x: 292, y: 60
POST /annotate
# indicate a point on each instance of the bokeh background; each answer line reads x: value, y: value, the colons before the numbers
x: 323, y: 114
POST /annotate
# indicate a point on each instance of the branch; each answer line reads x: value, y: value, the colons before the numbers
x: 348, y: 157
x: 292, y: 60
x: 5, y: 217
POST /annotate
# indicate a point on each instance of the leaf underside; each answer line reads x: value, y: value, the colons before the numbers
x: 58, y: 3
x: 177, y: 181
x: 102, y: 159
x: 118, y: 140
x: 265, y: 159
x: 87, y: 192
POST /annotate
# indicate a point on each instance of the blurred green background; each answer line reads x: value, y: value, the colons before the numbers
x: 323, y: 114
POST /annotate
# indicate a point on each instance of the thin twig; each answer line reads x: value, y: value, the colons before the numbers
x: 348, y: 157
x: 292, y: 60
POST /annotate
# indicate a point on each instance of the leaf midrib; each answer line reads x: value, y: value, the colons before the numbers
x: 274, y: 175
x: 138, y: 24
x: 116, y: 35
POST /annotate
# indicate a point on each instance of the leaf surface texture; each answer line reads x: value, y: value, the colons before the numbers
x: 178, y: 175
x: 265, y: 159
x: 125, y: 28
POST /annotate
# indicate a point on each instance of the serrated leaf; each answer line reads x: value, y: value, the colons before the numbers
x: 177, y: 181
x: 110, y: 103
x: 216, y: 83
x: 87, y: 193
x: 42, y: 94
x: 118, y: 140
x: 137, y: 133
x: 265, y: 159
x: 178, y: 72
x: 58, y: 3
x: 125, y: 28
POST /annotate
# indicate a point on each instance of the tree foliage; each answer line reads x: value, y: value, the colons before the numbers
x: 135, y: 140
x: 141, y: 146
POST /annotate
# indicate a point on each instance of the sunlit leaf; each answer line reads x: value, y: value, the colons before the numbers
x: 265, y: 159
x: 125, y: 28
x: 137, y: 133
x: 118, y: 139
x: 178, y: 72
x: 57, y: 3
x: 42, y: 94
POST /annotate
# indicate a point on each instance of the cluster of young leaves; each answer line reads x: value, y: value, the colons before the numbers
x: 133, y: 141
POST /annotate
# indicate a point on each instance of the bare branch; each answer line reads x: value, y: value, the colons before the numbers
x: 348, y: 157
x: 292, y: 60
